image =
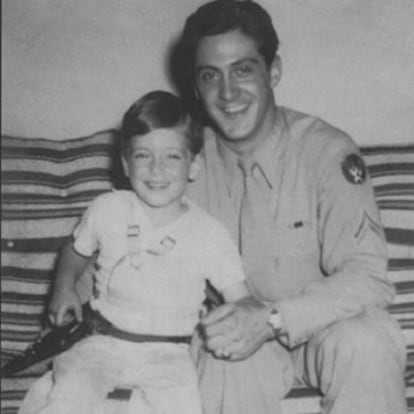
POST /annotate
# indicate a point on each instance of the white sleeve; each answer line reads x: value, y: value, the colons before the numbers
x: 221, y: 259
x: 85, y: 234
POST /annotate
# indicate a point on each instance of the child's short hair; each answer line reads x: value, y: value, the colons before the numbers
x: 160, y: 109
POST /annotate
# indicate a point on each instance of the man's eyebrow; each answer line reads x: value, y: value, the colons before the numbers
x: 235, y: 63
x: 245, y: 60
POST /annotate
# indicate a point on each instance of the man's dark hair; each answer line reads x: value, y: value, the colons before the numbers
x: 219, y: 17
x: 222, y: 16
x: 160, y: 109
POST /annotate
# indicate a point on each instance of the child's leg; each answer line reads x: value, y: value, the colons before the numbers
x: 37, y: 394
x: 175, y: 400
x: 82, y: 377
x: 171, y: 400
x: 167, y: 384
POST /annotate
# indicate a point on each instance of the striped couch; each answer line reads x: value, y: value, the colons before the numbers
x: 47, y: 184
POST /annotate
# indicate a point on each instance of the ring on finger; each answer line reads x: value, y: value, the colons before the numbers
x: 226, y: 354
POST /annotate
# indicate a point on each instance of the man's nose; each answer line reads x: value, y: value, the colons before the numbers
x: 228, y: 88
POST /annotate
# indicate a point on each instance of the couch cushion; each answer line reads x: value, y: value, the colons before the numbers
x: 392, y: 173
x: 46, y: 185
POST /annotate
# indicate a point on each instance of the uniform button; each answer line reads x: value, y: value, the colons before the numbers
x: 10, y: 244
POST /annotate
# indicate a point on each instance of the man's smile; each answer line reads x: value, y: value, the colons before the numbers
x: 235, y: 109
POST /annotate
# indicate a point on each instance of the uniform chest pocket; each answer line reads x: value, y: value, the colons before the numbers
x: 296, y: 238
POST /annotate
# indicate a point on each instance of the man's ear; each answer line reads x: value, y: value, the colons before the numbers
x: 275, y: 71
x: 194, y: 168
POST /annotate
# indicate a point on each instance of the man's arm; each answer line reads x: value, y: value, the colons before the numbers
x: 65, y: 300
x: 353, y: 258
x: 353, y: 249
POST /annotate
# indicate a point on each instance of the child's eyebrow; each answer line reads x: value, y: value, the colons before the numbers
x: 205, y: 67
x: 180, y: 148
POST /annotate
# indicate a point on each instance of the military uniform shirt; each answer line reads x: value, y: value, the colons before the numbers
x: 329, y: 255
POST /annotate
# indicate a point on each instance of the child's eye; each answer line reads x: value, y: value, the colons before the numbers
x: 141, y: 156
x: 174, y: 157
x: 207, y: 75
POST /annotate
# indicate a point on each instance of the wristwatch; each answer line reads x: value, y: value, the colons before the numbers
x: 275, y: 320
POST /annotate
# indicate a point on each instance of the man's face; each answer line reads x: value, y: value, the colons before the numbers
x: 235, y: 87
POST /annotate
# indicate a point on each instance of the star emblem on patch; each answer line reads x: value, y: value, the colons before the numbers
x: 354, y: 169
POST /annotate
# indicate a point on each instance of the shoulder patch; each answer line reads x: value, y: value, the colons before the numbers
x: 354, y: 169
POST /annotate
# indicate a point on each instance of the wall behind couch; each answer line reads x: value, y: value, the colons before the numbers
x: 71, y: 67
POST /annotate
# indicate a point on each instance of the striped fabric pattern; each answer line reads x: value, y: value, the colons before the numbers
x: 392, y: 172
x: 46, y: 185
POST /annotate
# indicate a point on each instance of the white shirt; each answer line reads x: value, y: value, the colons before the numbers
x: 153, y: 280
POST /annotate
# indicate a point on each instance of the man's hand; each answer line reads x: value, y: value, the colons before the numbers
x: 236, y: 330
x: 64, y: 306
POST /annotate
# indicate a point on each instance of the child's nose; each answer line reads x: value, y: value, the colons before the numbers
x: 157, y: 164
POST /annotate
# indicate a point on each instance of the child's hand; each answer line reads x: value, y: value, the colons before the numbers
x: 64, y: 306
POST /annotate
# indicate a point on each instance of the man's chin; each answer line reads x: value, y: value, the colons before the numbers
x: 235, y: 135
x: 230, y: 133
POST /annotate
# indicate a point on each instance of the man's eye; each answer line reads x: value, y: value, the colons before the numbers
x: 243, y: 71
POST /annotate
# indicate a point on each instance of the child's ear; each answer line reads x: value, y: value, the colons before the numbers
x: 196, y: 93
x: 194, y: 168
x: 125, y: 166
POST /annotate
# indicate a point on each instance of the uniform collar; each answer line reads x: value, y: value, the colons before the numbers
x: 265, y: 155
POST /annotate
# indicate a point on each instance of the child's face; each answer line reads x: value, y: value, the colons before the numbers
x: 159, y: 165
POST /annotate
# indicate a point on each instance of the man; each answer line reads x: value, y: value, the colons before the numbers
x: 295, y: 194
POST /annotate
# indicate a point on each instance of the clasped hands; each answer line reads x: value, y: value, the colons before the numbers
x: 236, y: 330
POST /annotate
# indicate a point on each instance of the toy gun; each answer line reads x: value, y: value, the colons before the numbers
x: 51, y: 342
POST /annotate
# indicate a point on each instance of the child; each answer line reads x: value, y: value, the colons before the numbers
x: 155, y: 250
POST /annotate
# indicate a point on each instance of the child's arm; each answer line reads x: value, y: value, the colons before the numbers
x: 223, y: 327
x: 65, y: 300
x: 235, y: 292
